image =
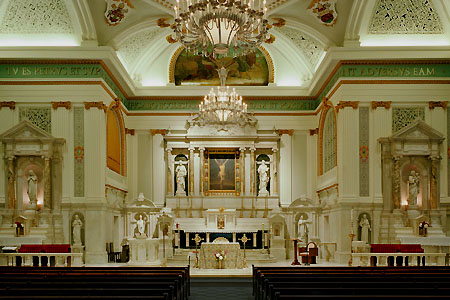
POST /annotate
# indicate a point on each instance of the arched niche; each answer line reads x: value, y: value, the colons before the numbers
x: 115, y: 139
x: 327, y: 138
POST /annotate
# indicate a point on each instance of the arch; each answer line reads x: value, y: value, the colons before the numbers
x: 327, y: 135
x: 115, y: 139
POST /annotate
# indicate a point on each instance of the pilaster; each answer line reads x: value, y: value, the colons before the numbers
x: 285, y: 168
x: 158, y: 167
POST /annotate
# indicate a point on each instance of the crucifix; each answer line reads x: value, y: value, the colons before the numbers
x: 197, y: 239
x: 244, y: 240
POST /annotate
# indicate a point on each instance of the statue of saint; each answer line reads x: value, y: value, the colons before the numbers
x: 32, y: 181
x: 76, y: 230
x: 221, y: 164
x: 181, y: 173
x: 413, y: 185
x: 263, y: 178
x: 141, y: 226
x: 302, y: 229
x: 365, y: 228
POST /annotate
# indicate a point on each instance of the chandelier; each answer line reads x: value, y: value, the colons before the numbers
x: 223, y: 107
x: 221, y: 27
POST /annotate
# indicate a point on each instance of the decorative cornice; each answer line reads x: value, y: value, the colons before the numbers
x: 129, y: 131
x: 385, y: 104
x: 343, y: 104
x: 10, y: 104
x: 64, y: 104
x: 158, y: 131
x: 286, y: 131
x: 99, y: 105
x: 336, y: 186
x: 111, y: 187
x: 313, y: 131
x: 434, y: 104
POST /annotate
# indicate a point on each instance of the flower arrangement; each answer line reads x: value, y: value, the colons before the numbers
x: 221, y: 255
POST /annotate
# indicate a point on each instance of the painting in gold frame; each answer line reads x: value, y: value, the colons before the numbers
x: 222, y: 171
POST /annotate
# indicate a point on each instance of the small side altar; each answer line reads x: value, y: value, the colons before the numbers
x: 233, y: 258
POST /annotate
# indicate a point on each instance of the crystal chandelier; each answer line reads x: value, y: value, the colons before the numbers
x: 221, y: 27
x: 223, y: 107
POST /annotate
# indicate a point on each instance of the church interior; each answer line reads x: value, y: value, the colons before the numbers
x: 224, y: 134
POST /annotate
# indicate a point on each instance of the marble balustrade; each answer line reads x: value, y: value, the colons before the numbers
x: 363, y: 259
x: 61, y: 259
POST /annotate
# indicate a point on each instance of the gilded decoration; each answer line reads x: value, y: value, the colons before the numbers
x: 99, y: 105
x: 64, y: 104
x: 222, y: 172
x: 79, y: 154
x: 116, y: 141
x: 434, y: 104
x: 313, y: 131
x: 129, y: 131
x: 162, y: 22
x: 158, y: 131
x: 343, y: 104
x: 10, y: 104
x: 324, y: 11
x: 116, y: 11
x: 286, y: 131
x: 385, y: 104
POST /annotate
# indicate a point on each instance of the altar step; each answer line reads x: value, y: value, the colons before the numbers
x: 252, y: 256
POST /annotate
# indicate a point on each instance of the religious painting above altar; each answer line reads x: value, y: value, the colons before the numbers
x: 222, y: 171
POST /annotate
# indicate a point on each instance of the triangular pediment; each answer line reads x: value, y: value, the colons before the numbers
x: 25, y: 130
x: 418, y: 130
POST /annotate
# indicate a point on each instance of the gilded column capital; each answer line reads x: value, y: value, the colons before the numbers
x: 343, y: 104
x: 130, y: 131
x: 201, y: 149
x: 10, y: 104
x: 64, y: 104
x: 158, y: 131
x: 433, y: 104
x: 286, y: 131
x: 385, y: 104
x: 274, y: 150
x: 99, y: 105
x: 313, y: 131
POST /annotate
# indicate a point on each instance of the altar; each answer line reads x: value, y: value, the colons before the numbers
x: 233, y: 258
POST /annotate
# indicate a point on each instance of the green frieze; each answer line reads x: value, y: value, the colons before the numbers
x: 345, y: 71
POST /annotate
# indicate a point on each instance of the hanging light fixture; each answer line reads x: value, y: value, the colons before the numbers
x: 221, y: 27
x: 223, y: 107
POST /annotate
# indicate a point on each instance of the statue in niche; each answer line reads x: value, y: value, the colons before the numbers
x: 302, y: 229
x: 76, y: 230
x: 413, y: 186
x: 365, y: 228
x: 32, y: 181
x: 140, y: 226
x: 181, y: 173
x: 263, y: 178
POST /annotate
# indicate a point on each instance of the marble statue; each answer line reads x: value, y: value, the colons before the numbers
x: 141, y: 226
x: 365, y: 228
x: 32, y: 181
x: 263, y: 178
x: 181, y: 173
x: 302, y: 229
x: 141, y: 197
x: 413, y: 185
x: 76, y: 230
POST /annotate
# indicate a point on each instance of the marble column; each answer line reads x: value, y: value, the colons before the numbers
x: 47, y: 183
x: 202, y: 164
x: 191, y: 171
x: 11, y: 183
x: 275, y: 171
x: 170, y: 191
x: 242, y: 175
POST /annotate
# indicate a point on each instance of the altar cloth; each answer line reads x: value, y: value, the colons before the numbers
x: 233, y: 258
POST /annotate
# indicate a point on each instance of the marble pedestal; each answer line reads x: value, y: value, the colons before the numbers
x: 144, y: 251
x: 77, y: 261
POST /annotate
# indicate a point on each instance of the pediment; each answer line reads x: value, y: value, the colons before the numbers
x: 24, y: 131
x: 301, y: 203
x: 418, y: 131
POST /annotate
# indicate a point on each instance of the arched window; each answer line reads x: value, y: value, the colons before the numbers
x: 327, y: 140
x: 115, y: 141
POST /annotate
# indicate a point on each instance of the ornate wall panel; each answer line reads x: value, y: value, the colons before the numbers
x: 78, y: 134
x: 448, y: 150
x: 306, y: 44
x: 36, y: 17
x: 329, y: 142
x: 403, y: 116
x: 39, y: 116
x: 364, y: 151
x: 405, y: 17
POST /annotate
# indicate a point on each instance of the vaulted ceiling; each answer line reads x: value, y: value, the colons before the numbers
x: 300, y: 53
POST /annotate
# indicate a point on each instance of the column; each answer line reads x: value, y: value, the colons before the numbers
x: 11, y: 183
x: 170, y: 191
x: 191, y: 171
x: 202, y: 162
x: 397, y: 177
x: 242, y: 163
x: 285, y: 170
x: 275, y: 171
x: 158, y: 167
x: 47, y: 184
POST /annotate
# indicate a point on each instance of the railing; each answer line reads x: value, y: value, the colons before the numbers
x: 61, y: 259
x: 381, y: 259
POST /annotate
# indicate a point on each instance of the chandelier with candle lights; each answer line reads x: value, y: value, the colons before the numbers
x: 223, y: 107
x: 221, y: 27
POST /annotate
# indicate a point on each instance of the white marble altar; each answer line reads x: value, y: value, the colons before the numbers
x: 144, y: 251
